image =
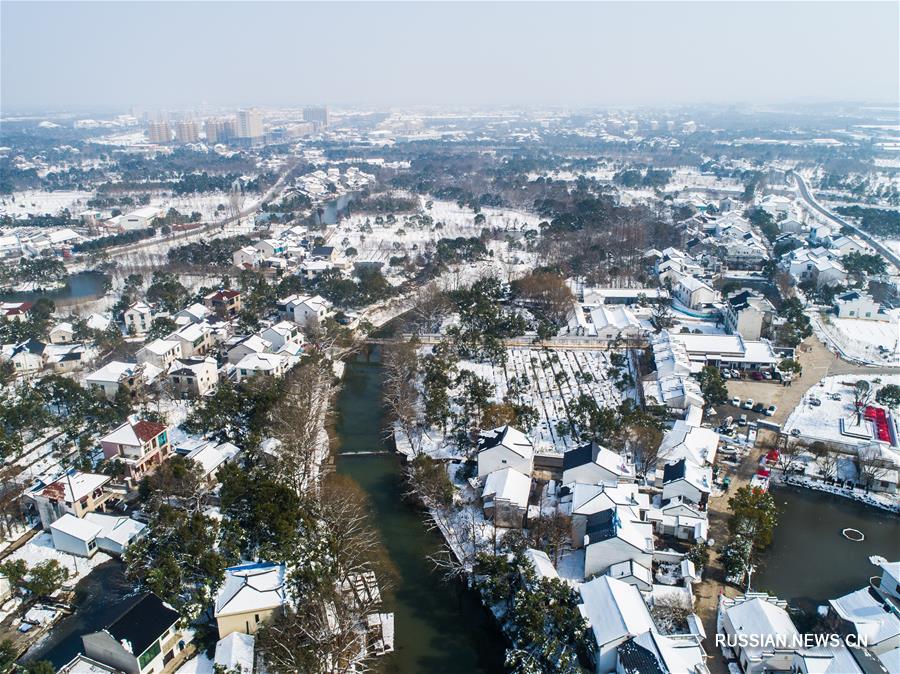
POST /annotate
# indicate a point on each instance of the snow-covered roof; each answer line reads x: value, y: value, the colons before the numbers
x: 255, y: 343
x: 134, y: 432
x: 210, y: 455
x: 75, y: 485
x: 117, y: 528
x: 759, y: 616
x: 76, y: 527
x: 508, y: 484
x: 235, y: 652
x: 251, y: 587
x: 161, y: 347
x: 696, y: 444
x: 614, y: 609
x: 261, y: 362
x: 507, y: 437
x: 870, y: 615
x: 541, y: 563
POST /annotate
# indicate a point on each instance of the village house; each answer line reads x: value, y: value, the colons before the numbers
x: 195, y: 313
x: 140, y: 444
x: 304, y: 309
x: 759, y: 615
x: 505, y: 497
x: 615, y: 612
x: 673, y: 392
x: 195, y: 339
x: 74, y: 492
x: 141, y: 218
x: 225, y: 303
x: 688, y: 480
x: 694, y: 293
x: 249, y: 596
x: 504, y: 447
x: 247, y: 257
x: 856, y: 304
x: 82, y: 664
x: 272, y: 364
x: 235, y: 653
x: 111, y: 534
x: 160, y: 353
x: 270, y: 247
x: 144, y: 639
x: 582, y: 500
x: 680, y: 519
x: 133, y: 378
x: 816, y: 265
x: 686, y: 440
x: 282, y: 333
x: 616, y: 535
x: 594, y: 464
x: 193, y: 377
x: 208, y: 455
x: 747, y: 313
x: 246, y: 346
x: 655, y: 652
x: 62, y: 333
x: 15, y: 311
x: 138, y: 318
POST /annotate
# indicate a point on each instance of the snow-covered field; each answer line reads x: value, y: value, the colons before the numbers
x: 35, y: 202
x: 823, y: 422
x: 875, y: 342
x: 555, y: 378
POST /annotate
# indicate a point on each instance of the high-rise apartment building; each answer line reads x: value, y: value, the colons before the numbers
x: 186, y: 131
x: 219, y: 130
x: 159, y: 132
x: 316, y: 115
x: 250, y: 125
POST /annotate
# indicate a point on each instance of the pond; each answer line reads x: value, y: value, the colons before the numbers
x: 810, y: 561
x: 438, y: 629
x: 331, y: 211
x: 80, y: 287
x: 98, y: 601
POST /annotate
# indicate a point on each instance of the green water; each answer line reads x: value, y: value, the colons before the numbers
x: 438, y: 629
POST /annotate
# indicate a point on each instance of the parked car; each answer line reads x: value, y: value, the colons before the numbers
x: 748, y: 404
x: 736, y: 401
x: 795, y: 432
x: 770, y: 410
x: 735, y: 374
x: 756, y: 376
x: 742, y: 420
x: 815, y: 402
x: 759, y: 408
x: 767, y: 376
x: 726, y: 374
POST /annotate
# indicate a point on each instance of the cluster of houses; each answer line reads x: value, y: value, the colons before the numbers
x: 615, y: 524
x: 760, y: 634
x: 184, y: 360
x: 294, y: 250
x: 19, y: 242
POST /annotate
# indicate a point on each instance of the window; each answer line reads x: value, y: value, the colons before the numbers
x: 148, y: 655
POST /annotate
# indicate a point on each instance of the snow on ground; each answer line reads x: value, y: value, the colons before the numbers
x: 876, y: 342
x: 823, y: 422
x: 199, y: 664
x: 40, y: 549
x: 555, y: 378
x: 36, y: 202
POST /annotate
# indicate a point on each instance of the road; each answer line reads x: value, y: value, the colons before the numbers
x: 877, y: 245
x: 220, y: 224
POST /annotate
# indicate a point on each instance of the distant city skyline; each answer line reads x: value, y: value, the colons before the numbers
x: 104, y: 55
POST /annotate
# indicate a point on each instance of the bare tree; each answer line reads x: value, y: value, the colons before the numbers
x: 871, y: 465
x: 298, y: 422
x: 788, y: 457
x: 401, y: 368
x: 431, y: 306
x: 552, y: 534
x: 644, y: 443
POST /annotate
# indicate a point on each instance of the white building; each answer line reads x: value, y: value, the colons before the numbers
x: 272, y: 364
x: 694, y: 293
x: 616, y: 535
x: 304, y: 310
x: 857, y: 304
x: 747, y: 313
x: 62, y: 333
x: 193, y: 377
x: 248, y: 346
x: 594, y: 464
x: 160, y: 352
x: 505, y: 497
x: 142, y: 218
x: 247, y: 257
x: 504, y: 447
x: 116, y: 375
x: 763, y: 617
x: 687, y: 480
x: 138, y: 318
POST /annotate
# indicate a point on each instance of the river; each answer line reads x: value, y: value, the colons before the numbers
x: 810, y: 561
x: 438, y: 629
x: 80, y: 287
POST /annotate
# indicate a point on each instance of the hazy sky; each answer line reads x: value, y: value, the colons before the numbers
x: 167, y: 54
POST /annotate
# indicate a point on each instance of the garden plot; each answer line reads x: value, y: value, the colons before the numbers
x: 555, y: 380
x: 868, y: 341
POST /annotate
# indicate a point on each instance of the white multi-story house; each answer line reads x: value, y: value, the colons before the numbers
x: 247, y: 257
x: 193, y: 377
x: 616, y: 535
x: 694, y: 293
x: 747, y: 313
x: 160, y: 352
x: 857, y: 304
x: 138, y: 318
x: 281, y: 333
x: 504, y: 447
x: 304, y: 310
x: 273, y: 364
x: 116, y: 375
